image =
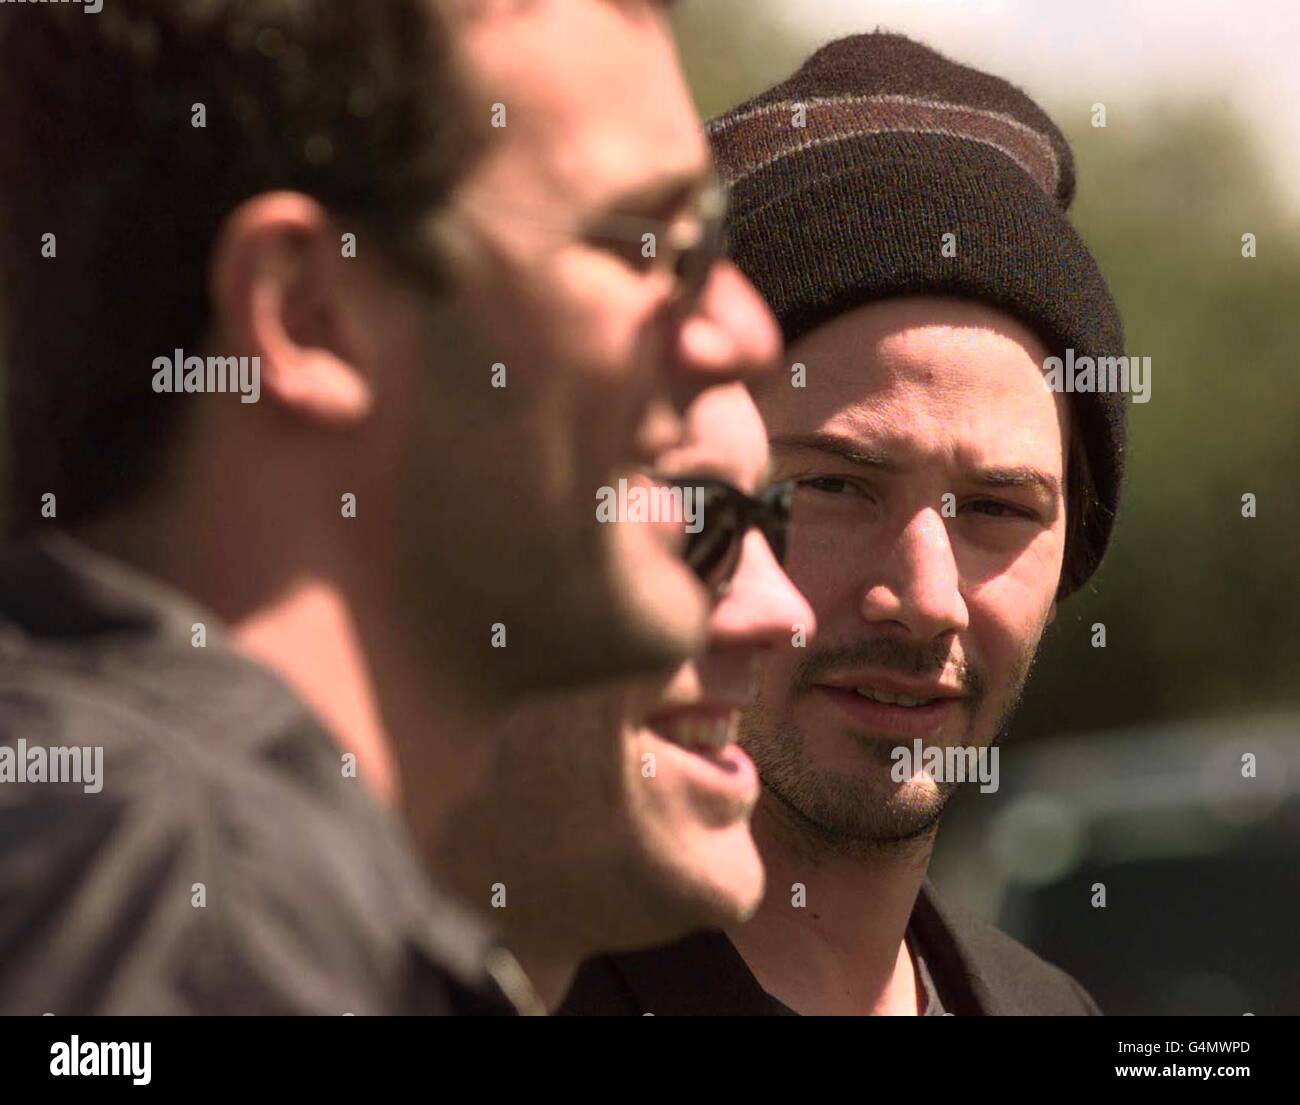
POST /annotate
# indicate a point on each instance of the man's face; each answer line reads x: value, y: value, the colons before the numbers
x: 928, y: 534
x: 562, y: 361
x: 608, y: 810
x: 688, y: 807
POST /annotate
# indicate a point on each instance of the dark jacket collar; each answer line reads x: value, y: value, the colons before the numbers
x: 976, y: 969
x: 704, y: 975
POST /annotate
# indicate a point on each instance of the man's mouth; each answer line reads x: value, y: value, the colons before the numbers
x: 892, y: 699
x: 700, y: 753
x: 893, y: 689
x: 697, y: 731
x: 895, y: 705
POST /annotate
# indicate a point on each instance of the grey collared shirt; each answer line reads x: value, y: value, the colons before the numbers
x: 227, y: 863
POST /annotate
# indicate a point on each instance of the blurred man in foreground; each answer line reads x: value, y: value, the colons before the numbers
x: 325, y: 322
x: 618, y: 817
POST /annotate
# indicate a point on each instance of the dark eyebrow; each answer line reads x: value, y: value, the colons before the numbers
x: 837, y: 446
x: 845, y: 449
x: 1018, y: 476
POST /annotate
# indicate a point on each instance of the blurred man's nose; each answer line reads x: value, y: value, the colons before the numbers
x: 914, y: 581
x: 762, y: 608
x: 729, y: 334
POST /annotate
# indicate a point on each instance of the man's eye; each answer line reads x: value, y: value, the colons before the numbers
x: 831, y: 485
x: 995, y: 509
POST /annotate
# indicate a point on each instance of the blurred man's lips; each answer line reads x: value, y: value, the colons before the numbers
x: 700, y: 752
x: 697, y: 729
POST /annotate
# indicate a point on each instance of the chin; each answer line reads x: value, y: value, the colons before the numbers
x: 741, y: 892
x: 715, y: 879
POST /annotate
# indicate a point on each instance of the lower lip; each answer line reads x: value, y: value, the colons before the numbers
x: 904, y: 721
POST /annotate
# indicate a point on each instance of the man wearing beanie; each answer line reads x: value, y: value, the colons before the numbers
x: 905, y: 218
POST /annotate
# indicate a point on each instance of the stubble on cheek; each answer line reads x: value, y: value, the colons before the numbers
x: 863, y: 807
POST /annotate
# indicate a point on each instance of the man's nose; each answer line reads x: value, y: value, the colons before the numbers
x: 762, y: 608
x: 915, y: 581
x: 729, y: 333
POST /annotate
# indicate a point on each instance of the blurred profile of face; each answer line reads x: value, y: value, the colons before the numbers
x: 928, y: 534
x: 620, y: 815
x: 563, y: 358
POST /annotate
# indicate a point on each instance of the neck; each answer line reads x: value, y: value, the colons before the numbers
x: 326, y: 625
x: 842, y: 953
x: 492, y: 844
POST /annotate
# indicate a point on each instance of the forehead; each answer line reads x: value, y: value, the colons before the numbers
x: 926, y: 377
x: 593, y: 94
x: 724, y: 438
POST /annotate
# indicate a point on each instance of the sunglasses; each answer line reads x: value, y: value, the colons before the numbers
x: 726, y: 514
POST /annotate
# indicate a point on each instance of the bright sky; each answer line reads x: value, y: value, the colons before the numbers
x: 1109, y: 51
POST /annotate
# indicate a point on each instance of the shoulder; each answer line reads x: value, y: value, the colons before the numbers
x: 152, y: 874
x: 101, y: 832
x: 1002, y: 974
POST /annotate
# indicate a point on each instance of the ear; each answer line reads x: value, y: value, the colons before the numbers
x: 279, y: 290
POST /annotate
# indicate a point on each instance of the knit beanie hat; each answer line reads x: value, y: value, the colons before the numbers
x: 844, y: 181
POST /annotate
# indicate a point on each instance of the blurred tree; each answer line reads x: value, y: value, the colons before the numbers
x: 732, y: 49
x: 1201, y: 605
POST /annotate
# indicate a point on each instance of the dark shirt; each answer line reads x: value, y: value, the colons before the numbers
x: 966, y: 967
x: 227, y: 864
x: 930, y: 1003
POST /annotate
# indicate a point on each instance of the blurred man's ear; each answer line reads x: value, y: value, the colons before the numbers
x: 279, y: 289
